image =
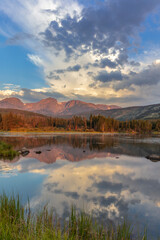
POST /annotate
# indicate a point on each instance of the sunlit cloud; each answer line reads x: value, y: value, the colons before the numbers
x: 85, y: 52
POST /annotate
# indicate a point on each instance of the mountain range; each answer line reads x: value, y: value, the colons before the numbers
x: 51, y: 107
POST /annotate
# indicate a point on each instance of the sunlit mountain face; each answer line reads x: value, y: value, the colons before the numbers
x: 52, y: 107
x: 104, y: 52
x: 106, y: 175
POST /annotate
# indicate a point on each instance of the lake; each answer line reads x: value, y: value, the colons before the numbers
x: 106, y: 175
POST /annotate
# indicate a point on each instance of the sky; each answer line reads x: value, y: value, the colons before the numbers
x: 100, y: 51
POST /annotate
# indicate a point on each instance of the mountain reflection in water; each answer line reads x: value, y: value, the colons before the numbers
x: 113, y: 181
x: 80, y: 147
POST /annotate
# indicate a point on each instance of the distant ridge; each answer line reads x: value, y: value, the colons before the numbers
x: 130, y: 113
x: 51, y: 107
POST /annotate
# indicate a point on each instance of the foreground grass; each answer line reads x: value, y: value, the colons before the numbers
x: 17, y: 222
x: 7, y: 151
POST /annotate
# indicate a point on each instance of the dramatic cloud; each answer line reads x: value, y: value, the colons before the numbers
x: 75, y: 68
x: 149, y: 76
x: 105, y: 62
x: 104, y: 76
x: 85, y: 49
x: 108, y: 25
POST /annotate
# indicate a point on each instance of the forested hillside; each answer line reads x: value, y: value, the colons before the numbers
x: 130, y: 113
x: 23, y: 120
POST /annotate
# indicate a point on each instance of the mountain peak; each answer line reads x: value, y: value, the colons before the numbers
x: 51, y: 107
x: 12, y: 103
x: 48, y: 100
x: 12, y: 100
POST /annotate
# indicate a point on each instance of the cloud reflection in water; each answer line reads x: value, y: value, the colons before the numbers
x: 109, y: 182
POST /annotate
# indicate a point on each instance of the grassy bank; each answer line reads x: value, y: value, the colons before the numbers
x: 17, y: 222
x: 7, y: 151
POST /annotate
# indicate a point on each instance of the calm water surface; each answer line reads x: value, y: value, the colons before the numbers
x: 106, y: 175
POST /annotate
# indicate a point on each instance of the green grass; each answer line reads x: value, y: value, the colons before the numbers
x: 18, y: 222
x: 7, y: 151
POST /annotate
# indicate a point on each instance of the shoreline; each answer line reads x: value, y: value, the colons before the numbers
x: 53, y: 133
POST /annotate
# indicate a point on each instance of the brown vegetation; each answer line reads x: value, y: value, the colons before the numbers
x: 18, y: 121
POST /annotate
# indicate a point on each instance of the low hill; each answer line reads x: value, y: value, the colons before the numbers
x: 21, y: 112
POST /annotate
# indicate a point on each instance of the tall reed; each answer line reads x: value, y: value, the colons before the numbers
x: 18, y: 222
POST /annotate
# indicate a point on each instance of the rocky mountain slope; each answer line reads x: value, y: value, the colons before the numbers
x: 51, y: 107
x: 129, y: 113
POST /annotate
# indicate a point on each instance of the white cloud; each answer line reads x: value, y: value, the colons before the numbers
x: 35, y: 59
x: 34, y: 16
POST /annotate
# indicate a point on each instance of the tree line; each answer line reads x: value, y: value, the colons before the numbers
x: 10, y: 121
